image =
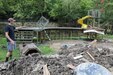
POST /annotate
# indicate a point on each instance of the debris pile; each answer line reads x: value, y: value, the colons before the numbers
x: 34, y: 64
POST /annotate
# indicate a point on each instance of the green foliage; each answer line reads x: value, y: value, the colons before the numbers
x: 46, y: 49
x: 62, y: 10
x: 2, y: 41
x: 26, y: 9
x: 7, y: 6
x: 1, y: 8
x: 53, y: 7
x: 72, y: 9
x: 108, y: 36
x: 2, y: 28
x: 16, y: 54
x: 109, y: 11
x: 86, y: 4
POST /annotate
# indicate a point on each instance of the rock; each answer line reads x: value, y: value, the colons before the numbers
x: 91, y: 69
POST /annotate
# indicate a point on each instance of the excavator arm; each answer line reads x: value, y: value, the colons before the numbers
x: 80, y: 21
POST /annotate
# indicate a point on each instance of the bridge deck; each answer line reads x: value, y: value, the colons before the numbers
x: 48, y: 33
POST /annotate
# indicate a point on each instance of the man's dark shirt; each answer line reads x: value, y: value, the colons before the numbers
x: 10, y: 29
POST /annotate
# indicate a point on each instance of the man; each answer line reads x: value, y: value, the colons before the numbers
x: 9, y: 33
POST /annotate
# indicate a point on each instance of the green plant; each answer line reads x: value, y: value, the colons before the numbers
x: 46, y: 49
x: 108, y: 36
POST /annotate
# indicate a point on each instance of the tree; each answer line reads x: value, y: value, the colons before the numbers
x: 73, y: 9
x: 1, y: 8
x: 6, y: 8
x: 28, y: 9
x: 53, y: 8
x: 109, y: 14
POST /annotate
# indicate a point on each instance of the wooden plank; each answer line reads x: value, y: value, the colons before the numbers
x: 90, y: 56
x: 45, y: 70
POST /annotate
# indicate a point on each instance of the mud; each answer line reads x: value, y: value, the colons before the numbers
x: 56, y: 64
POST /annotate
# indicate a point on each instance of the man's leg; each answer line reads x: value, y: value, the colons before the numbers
x: 7, y: 56
x: 11, y: 54
x: 10, y: 48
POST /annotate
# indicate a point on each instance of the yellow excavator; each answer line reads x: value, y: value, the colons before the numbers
x: 81, y: 22
x: 93, y: 31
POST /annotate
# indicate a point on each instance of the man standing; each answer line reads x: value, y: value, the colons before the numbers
x: 9, y: 33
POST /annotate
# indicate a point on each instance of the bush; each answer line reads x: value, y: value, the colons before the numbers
x: 2, y: 28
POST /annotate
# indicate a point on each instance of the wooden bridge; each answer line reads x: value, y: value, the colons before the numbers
x: 27, y: 34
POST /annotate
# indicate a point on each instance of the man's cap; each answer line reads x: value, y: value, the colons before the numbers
x: 11, y: 19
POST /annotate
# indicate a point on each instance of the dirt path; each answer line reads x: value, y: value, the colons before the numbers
x: 57, y: 44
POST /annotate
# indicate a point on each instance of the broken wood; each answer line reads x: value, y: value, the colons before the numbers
x: 45, y: 70
x: 93, y: 43
x: 91, y: 56
x: 78, y: 57
x: 71, y: 66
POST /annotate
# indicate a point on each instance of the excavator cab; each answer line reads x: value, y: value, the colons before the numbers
x: 89, y: 30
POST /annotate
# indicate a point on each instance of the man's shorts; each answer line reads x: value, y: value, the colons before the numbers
x: 11, y: 47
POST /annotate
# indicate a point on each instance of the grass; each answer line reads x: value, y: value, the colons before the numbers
x: 108, y: 36
x: 45, y: 49
x: 16, y: 53
x: 3, y: 50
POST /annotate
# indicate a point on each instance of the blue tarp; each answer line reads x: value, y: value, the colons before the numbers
x: 91, y: 69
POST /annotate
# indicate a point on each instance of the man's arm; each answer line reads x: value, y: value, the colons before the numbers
x: 7, y: 36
